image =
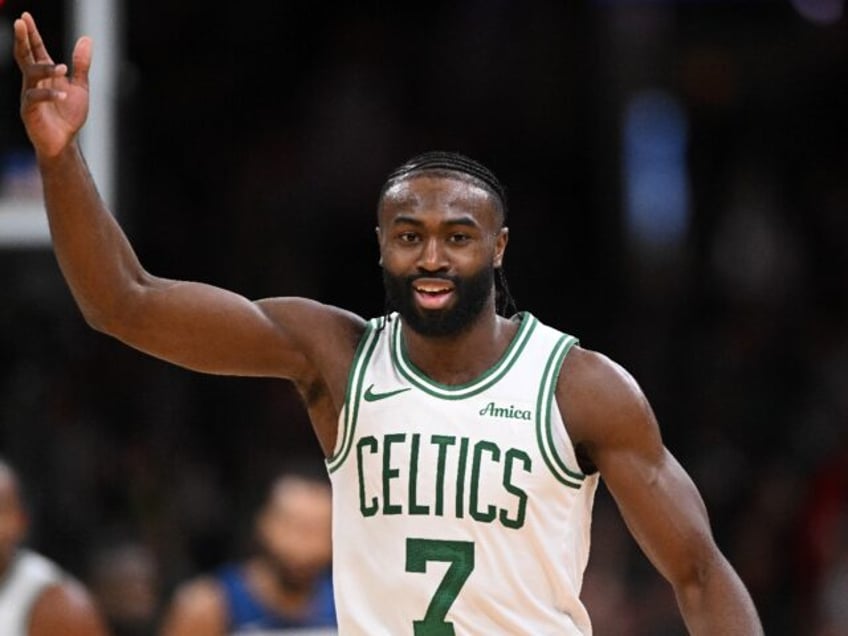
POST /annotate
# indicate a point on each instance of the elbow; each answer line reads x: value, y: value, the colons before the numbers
x: 699, y: 580
x: 110, y: 316
x: 699, y: 569
x: 99, y: 320
x: 111, y: 311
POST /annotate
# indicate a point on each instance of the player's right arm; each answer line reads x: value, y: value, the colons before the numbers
x: 191, y: 324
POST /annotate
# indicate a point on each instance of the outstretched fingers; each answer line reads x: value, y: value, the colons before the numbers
x: 42, y: 78
x: 53, y: 107
x: 23, y: 50
x: 37, y: 50
x: 34, y: 62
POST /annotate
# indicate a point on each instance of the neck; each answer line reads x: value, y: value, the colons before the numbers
x: 460, y: 358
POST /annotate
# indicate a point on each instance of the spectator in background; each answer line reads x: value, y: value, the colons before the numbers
x: 285, y: 584
x: 36, y: 597
x: 124, y: 579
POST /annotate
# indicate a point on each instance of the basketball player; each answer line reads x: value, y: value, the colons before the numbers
x: 36, y: 597
x: 464, y: 448
x: 286, y: 585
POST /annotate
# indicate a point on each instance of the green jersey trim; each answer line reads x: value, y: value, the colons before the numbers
x: 544, y: 405
x: 418, y: 378
x: 364, y: 350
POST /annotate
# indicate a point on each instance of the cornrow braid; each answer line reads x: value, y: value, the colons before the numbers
x: 441, y: 161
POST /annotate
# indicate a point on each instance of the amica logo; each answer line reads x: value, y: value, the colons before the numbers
x: 510, y: 412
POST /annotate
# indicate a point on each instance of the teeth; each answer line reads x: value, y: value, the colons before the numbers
x: 432, y: 290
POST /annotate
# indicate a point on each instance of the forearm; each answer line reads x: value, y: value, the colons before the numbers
x: 718, y: 603
x: 94, y: 255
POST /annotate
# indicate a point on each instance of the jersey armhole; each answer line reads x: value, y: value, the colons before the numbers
x: 545, y: 403
x: 350, y: 408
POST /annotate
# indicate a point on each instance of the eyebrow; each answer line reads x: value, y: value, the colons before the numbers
x: 464, y: 221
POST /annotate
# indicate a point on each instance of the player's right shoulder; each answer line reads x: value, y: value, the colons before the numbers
x: 308, y: 319
x: 321, y: 333
x: 317, y: 343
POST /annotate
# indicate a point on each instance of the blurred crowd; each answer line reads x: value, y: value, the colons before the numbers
x: 251, y: 150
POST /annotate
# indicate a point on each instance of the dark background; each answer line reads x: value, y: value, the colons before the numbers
x: 253, y: 139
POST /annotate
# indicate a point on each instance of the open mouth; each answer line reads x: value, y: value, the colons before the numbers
x: 433, y: 293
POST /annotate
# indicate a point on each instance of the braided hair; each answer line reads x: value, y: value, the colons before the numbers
x: 440, y: 162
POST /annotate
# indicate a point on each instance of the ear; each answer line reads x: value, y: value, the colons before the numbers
x: 501, y: 239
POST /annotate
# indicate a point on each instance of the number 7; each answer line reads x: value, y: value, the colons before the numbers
x: 460, y: 555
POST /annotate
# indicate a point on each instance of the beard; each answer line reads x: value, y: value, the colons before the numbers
x: 471, y: 293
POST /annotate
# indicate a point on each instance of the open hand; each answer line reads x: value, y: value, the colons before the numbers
x: 53, y: 106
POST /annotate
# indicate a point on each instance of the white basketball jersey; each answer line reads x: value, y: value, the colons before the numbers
x: 458, y: 509
x: 28, y: 575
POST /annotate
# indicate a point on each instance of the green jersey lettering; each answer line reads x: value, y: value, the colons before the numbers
x: 489, y: 515
x: 367, y: 510
x: 390, y: 473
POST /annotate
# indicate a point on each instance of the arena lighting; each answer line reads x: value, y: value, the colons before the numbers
x: 656, y: 183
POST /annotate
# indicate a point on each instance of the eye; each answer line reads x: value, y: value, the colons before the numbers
x: 407, y: 237
x: 459, y: 238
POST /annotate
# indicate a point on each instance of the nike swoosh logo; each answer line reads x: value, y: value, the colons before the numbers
x: 371, y: 396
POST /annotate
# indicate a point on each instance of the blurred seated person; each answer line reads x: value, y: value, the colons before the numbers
x: 37, y: 598
x: 123, y: 578
x: 285, y: 585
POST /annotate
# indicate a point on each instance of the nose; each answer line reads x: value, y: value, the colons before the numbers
x: 432, y: 257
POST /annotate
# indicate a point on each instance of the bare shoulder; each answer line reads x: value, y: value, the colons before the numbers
x: 198, y: 607
x: 326, y: 337
x: 313, y: 324
x: 66, y: 608
x: 602, y: 402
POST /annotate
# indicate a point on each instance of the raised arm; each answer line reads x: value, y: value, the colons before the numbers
x: 191, y: 324
x: 613, y: 426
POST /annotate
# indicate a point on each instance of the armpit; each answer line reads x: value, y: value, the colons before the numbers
x: 583, y: 460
